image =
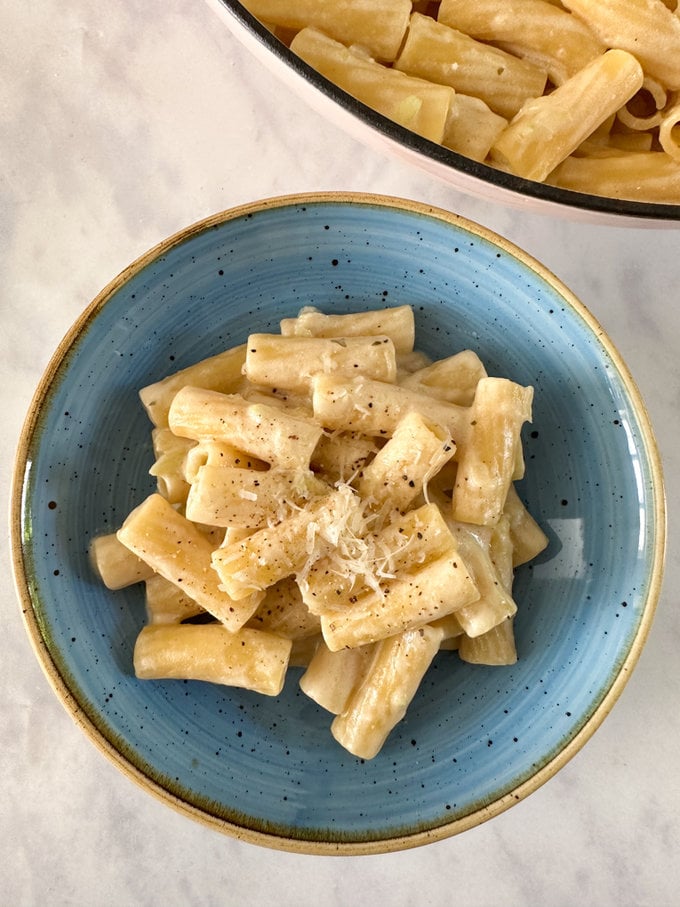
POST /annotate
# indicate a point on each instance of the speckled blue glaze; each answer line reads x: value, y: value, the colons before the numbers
x: 475, y: 738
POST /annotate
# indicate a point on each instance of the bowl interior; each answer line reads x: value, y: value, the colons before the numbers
x: 475, y: 739
x: 472, y: 177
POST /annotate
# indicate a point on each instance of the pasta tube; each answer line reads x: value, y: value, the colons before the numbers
x: 246, y: 498
x: 262, y: 431
x: 375, y: 408
x: 487, y: 465
x: 446, y: 56
x: 115, y: 564
x: 549, y: 128
x: 411, y: 600
x: 166, y: 603
x: 652, y: 177
x: 290, y: 362
x: 471, y: 127
x: 645, y: 28
x: 453, y: 379
x: 669, y: 133
x: 526, y: 536
x: 332, y: 677
x: 501, y: 548
x: 219, y: 373
x: 414, y: 103
x: 283, y: 611
x: 172, y: 546
x: 216, y: 453
x: 495, y: 603
x: 377, y: 25
x: 408, y: 541
x: 400, y: 471
x: 248, y: 658
x: 395, y: 322
x: 340, y: 455
x: 495, y: 647
x: 388, y: 688
x: 540, y: 32
x: 271, y: 554
x: 169, y: 466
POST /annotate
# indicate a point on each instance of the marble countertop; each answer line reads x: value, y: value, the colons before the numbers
x: 122, y: 123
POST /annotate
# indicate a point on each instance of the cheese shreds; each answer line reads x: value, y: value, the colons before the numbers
x: 321, y: 497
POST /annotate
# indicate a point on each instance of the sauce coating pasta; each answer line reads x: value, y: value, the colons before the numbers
x: 542, y: 89
x: 353, y: 526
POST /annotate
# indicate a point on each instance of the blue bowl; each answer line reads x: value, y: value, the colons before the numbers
x: 476, y: 739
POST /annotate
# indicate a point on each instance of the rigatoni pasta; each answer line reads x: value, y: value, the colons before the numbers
x: 546, y: 130
x: 343, y: 530
x: 417, y: 104
x: 523, y: 86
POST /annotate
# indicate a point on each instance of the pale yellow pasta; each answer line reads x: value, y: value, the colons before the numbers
x: 332, y: 677
x: 471, y: 127
x: 218, y: 453
x: 536, y: 88
x: 375, y: 408
x: 615, y: 145
x: 377, y: 25
x: 399, y: 472
x: 487, y: 465
x: 116, y: 565
x: 653, y: 90
x: 256, y: 562
x: 538, y: 31
x: 167, y: 603
x: 495, y: 647
x: 645, y: 28
x: 501, y: 545
x: 312, y: 519
x: 262, y: 431
x: 230, y: 496
x: 382, y: 698
x: 411, y: 600
x: 302, y: 651
x: 450, y: 630
x: 407, y: 541
x: 169, y: 467
x: 651, y: 177
x: 283, y: 611
x: 395, y: 322
x: 220, y: 373
x: 340, y: 455
x: 247, y: 658
x: 548, y: 129
x: 444, y: 55
x: 290, y: 362
x: 172, y: 546
x: 526, y: 536
x: 669, y: 133
x: 414, y: 103
x: 495, y: 602
x: 453, y: 379
x: 407, y: 363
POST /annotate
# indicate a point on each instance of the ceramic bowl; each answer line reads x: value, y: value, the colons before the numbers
x: 374, y: 130
x: 475, y: 739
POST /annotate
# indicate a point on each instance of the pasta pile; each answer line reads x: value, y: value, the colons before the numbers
x: 331, y: 499
x: 581, y: 94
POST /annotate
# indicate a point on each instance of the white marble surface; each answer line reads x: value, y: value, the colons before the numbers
x: 122, y: 123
